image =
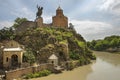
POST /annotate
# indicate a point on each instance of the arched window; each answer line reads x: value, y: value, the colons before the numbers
x: 11, y: 45
x: 7, y: 59
x: 14, y: 60
x: 52, y: 62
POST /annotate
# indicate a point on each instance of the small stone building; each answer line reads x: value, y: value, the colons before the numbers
x: 12, y: 54
x: 60, y: 20
x: 53, y: 59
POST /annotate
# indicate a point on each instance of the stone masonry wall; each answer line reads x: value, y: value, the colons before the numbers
x: 60, y: 21
x: 10, y: 75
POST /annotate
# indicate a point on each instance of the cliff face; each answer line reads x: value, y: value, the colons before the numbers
x: 65, y: 43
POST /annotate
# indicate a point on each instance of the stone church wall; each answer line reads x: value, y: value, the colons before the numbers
x: 60, y: 21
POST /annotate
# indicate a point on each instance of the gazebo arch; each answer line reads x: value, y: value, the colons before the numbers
x: 12, y: 55
x: 14, y: 60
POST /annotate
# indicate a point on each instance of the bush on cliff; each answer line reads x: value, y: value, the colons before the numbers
x: 38, y: 74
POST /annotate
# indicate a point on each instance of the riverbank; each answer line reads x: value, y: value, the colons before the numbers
x: 115, y: 52
x: 113, y: 58
x: 68, y: 75
x: 106, y: 67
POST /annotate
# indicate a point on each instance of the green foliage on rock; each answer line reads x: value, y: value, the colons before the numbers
x: 59, y: 37
x: 7, y: 34
x: 70, y: 66
x: 18, y: 21
x: 28, y: 56
x: 74, y: 56
x: 38, y: 74
x: 45, y: 41
x: 80, y: 43
x: 82, y: 60
x: 63, y: 42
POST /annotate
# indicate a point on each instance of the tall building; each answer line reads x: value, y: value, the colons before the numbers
x: 60, y: 20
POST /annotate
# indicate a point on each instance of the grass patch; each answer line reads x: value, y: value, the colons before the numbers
x: 63, y: 42
x: 59, y: 38
x: 67, y: 34
x: 80, y: 43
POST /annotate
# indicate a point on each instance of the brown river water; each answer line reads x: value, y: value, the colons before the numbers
x: 106, y: 67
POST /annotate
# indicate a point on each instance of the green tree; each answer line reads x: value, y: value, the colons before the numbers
x: 7, y: 33
x: 89, y: 45
x: 71, y: 27
x: 18, y: 21
x: 28, y: 56
x: 106, y: 43
x: 74, y: 56
x: 99, y: 46
x: 115, y: 42
x: 92, y: 44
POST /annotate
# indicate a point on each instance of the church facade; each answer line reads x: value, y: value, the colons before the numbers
x: 60, y: 20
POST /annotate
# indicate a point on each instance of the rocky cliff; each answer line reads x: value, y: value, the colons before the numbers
x: 65, y: 43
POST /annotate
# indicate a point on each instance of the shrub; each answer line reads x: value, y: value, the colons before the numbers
x: 59, y: 38
x: 28, y: 76
x: 70, y: 66
x: 74, y: 56
x: 44, y: 73
x: 28, y: 56
x: 93, y: 57
x: 38, y: 74
x: 82, y: 60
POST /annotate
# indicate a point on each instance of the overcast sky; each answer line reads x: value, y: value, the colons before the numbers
x: 93, y: 19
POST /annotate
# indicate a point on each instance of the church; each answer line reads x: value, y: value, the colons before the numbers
x: 60, y: 20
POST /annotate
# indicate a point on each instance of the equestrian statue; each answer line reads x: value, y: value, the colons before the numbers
x: 39, y: 12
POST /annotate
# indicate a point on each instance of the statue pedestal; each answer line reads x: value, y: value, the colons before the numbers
x: 39, y: 22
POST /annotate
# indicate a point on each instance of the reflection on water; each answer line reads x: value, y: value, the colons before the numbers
x: 113, y: 59
x: 106, y: 67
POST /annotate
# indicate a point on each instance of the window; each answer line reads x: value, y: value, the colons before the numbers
x: 7, y: 59
x: 11, y: 44
x: 52, y: 62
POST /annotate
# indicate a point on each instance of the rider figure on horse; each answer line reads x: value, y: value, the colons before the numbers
x: 39, y: 13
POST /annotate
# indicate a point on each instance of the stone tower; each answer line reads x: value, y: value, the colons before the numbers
x: 39, y: 22
x: 60, y: 20
x: 39, y: 19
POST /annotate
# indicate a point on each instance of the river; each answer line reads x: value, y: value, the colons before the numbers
x: 106, y: 67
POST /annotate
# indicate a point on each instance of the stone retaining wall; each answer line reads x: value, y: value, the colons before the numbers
x: 14, y: 74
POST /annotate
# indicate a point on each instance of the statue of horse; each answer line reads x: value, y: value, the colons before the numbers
x: 39, y: 13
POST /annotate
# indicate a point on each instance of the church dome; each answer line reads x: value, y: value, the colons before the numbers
x: 59, y: 8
